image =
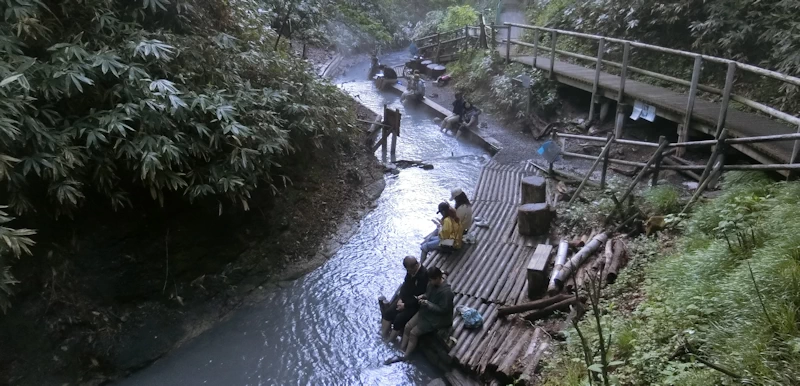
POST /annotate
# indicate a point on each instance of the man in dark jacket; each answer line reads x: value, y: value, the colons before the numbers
x: 415, y: 284
x: 435, y: 312
x: 388, y: 78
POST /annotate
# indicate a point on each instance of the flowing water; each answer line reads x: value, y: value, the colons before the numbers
x: 322, y: 329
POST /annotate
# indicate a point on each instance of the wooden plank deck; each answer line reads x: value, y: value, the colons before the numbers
x: 491, y: 272
x: 672, y: 105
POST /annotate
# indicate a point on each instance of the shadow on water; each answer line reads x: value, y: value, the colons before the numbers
x: 322, y: 329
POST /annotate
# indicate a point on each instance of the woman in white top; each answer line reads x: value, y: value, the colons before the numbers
x: 463, y: 208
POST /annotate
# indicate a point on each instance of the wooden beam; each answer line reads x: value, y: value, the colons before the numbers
x: 598, y: 67
x: 657, y: 162
x: 726, y: 97
x: 553, y: 38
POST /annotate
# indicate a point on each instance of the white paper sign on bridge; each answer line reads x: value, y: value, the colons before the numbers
x: 643, y: 110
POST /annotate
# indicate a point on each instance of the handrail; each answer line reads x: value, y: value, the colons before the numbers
x: 758, y: 70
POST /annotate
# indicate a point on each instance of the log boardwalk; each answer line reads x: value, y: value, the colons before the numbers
x: 492, y: 273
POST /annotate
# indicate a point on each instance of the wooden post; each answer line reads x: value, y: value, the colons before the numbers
x: 598, y: 65
x: 683, y: 136
x: 395, y: 133
x: 537, y: 279
x: 493, y: 31
x: 550, y: 167
x: 535, y: 46
x: 304, y: 51
x: 438, y: 45
x: 626, y: 54
x: 657, y: 163
x: 508, y: 45
x: 698, y: 62
x: 795, y: 150
x: 604, y: 171
x: 482, y: 33
x: 710, y: 164
x: 726, y: 97
x: 553, y: 37
x: 602, y: 156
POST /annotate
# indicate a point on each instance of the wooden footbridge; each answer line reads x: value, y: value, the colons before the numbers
x: 764, y: 133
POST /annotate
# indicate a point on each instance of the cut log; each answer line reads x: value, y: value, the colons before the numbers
x: 532, y: 364
x: 534, y: 190
x: 609, y: 252
x: 508, y: 310
x: 578, y: 258
x: 561, y: 259
x: 534, y: 219
x: 618, y: 261
x: 537, y: 279
x: 549, y: 310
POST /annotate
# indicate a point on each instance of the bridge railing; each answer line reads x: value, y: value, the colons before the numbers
x: 625, y: 69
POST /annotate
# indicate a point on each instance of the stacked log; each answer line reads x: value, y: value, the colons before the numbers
x: 618, y: 261
x: 563, y: 305
x: 561, y: 259
x: 541, y: 303
x: 527, y: 365
x: 578, y: 259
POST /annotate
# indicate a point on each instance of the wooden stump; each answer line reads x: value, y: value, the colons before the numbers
x: 537, y: 279
x: 534, y: 219
x: 534, y: 190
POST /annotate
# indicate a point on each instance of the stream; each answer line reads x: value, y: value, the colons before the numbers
x: 322, y: 329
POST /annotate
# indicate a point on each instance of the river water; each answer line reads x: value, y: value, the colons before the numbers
x: 322, y: 329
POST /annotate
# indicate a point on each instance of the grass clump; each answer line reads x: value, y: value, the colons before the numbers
x: 662, y: 200
x: 730, y: 288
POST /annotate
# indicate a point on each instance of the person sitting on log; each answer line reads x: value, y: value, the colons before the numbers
x: 397, y: 315
x: 387, y: 78
x: 463, y: 208
x: 458, y: 112
x: 449, y: 233
x: 435, y: 313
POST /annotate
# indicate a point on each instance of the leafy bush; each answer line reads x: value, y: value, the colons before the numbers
x: 179, y: 98
x: 485, y: 79
x: 458, y: 16
x: 15, y: 244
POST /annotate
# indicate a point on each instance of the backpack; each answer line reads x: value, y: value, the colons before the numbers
x: 472, y: 318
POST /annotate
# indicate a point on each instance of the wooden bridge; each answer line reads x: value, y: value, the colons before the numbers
x: 776, y: 132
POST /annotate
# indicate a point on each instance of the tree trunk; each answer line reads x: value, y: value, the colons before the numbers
x: 609, y: 253
x: 618, y: 261
x: 534, y: 219
x: 534, y: 190
x: 561, y: 259
x: 578, y: 259
x: 549, y: 310
x: 508, y: 310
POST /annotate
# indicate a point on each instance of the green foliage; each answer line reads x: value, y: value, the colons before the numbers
x: 662, y: 200
x: 704, y: 293
x: 369, y: 31
x: 129, y: 96
x: 457, y: 17
x: 15, y: 244
x: 485, y: 79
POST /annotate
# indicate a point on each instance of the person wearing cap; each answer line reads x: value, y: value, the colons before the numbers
x: 395, y: 316
x: 450, y: 233
x: 463, y: 208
